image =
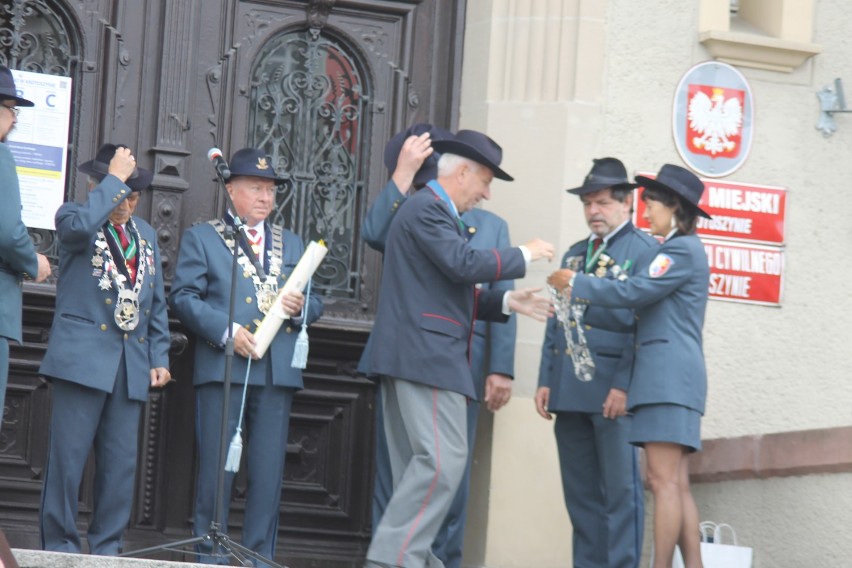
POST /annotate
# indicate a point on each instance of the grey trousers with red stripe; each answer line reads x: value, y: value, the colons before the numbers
x: 426, y: 429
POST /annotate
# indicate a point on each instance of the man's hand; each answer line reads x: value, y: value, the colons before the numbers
x: 244, y: 343
x: 525, y: 301
x: 43, y: 268
x: 498, y: 391
x: 542, y: 399
x: 615, y: 404
x: 560, y: 278
x: 414, y: 152
x: 292, y: 303
x: 160, y: 376
x: 122, y: 164
x: 540, y: 249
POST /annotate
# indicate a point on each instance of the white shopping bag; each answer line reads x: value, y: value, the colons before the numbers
x: 719, y: 554
x: 714, y: 552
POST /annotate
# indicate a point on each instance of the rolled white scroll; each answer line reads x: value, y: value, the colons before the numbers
x: 297, y: 280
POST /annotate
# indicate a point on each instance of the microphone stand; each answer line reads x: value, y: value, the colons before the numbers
x: 216, y: 536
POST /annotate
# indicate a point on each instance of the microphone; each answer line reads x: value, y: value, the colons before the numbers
x: 215, y: 156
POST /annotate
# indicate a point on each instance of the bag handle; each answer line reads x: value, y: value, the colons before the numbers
x: 707, y: 530
x: 717, y: 533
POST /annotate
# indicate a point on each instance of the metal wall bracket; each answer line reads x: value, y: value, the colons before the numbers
x: 830, y: 101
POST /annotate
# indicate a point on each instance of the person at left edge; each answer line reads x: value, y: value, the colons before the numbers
x: 18, y: 258
x: 108, y: 344
x: 200, y: 297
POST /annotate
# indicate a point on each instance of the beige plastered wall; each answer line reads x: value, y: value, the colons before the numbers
x: 559, y: 82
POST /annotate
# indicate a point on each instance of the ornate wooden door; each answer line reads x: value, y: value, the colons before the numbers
x: 321, y: 85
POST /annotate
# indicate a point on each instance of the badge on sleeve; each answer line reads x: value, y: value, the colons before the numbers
x: 660, y: 266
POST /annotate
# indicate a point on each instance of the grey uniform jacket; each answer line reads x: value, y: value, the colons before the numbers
x: 200, y: 297
x: 428, y: 299
x: 609, y: 332
x: 493, y: 345
x: 669, y: 293
x: 17, y: 254
x: 86, y: 344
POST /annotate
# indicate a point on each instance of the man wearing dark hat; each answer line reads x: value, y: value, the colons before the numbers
x: 200, y: 298
x: 409, y: 158
x: 108, y: 344
x: 18, y: 258
x: 668, y: 386
x: 600, y: 476
x: 427, y: 305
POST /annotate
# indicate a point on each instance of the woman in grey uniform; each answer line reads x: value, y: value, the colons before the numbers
x: 668, y: 387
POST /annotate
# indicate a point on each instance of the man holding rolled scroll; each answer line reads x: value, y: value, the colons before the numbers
x: 199, y: 297
x: 421, y: 342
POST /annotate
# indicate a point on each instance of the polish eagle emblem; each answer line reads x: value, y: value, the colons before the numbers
x: 715, y: 121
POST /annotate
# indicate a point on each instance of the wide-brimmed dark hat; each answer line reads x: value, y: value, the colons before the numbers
x: 99, y: 168
x: 429, y: 170
x: 680, y: 181
x: 475, y: 146
x: 251, y: 162
x: 8, y: 90
x: 605, y: 173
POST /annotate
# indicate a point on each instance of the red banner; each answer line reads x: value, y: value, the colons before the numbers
x: 741, y: 272
x: 741, y: 211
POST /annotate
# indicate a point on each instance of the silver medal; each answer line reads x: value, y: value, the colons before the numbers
x: 127, y: 309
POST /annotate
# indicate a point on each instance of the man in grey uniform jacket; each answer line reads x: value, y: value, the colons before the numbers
x: 492, y: 356
x: 600, y: 476
x: 427, y: 305
x: 18, y: 258
x: 200, y: 299
x: 108, y: 344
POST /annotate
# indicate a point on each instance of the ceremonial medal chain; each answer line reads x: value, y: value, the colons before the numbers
x: 126, y: 312
x: 264, y: 290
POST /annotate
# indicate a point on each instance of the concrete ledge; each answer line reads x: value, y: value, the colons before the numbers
x: 783, y: 454
x: 42, y: 559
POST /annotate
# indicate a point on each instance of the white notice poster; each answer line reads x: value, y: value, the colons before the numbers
x: 39, y: 144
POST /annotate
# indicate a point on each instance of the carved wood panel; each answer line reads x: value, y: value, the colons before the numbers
x: 172, y: 80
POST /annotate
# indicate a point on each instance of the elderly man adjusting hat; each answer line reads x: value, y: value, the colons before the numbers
x: 200, y: 297
x: 108, y: 344
x: 18, y: 258
x: 492, y: 348
x: 427, y: 304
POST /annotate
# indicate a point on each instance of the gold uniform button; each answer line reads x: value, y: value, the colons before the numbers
x: 248, y: 299
x: 471, y: 230
x: 103, y: 327
x: 126, y: 336
x: 289, y: 330
x: 141, y: 340
x: 123, y: 191
x: 115, y: 199
x: 108, y: 301
x: 588, y: 327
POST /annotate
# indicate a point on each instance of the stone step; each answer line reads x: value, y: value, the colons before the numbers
x: 42, y: 559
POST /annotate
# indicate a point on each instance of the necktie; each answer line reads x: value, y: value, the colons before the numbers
x: 255, y: 239
x: 596, y: 244
x: 129, y: 251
